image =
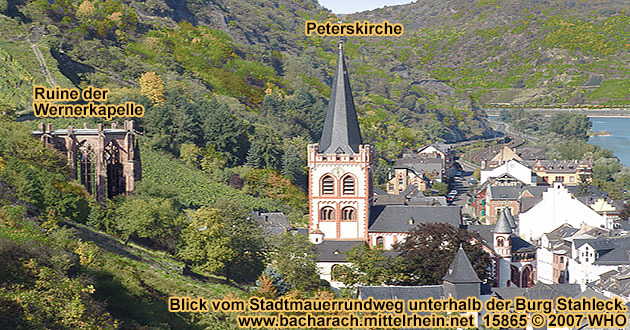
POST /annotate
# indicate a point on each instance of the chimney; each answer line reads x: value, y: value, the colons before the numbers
x: 85, y: 125
x: 100, y: 127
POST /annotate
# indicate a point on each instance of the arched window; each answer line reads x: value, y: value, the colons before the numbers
x: 348, y: 214
x: 526, y: 274
x: 328, y: 185
x: 327, y: 214
x: 380, y: 241
x: 86, y: 168
x: 500, y: 241
x: 334, y: 270
x: 348, y: 185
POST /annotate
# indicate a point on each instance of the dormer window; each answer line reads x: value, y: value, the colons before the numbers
x: 411, y: 221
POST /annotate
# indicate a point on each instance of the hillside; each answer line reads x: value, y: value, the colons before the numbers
x: 518, y: 52
x: 239, y: 51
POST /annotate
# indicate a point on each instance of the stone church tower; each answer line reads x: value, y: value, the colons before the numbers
x: 340, y: 169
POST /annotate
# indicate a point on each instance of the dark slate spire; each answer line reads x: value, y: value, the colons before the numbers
x: 510, y: 218
x: 460, y: 270
x: 503, y: 224
x: 341, y: 128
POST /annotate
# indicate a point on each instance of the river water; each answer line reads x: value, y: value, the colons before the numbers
x: 619, y: 139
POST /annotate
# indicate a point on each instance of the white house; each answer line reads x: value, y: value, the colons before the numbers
x: 557, y: 207
x: 512, y: 167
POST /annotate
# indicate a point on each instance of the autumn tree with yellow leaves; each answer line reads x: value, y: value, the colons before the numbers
x: 152, y: 86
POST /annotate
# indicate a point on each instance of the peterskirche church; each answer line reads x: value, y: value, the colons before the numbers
x: 342, y: 208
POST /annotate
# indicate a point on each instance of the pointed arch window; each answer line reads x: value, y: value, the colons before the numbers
x: 348, y: 185
x: 86, y: 168
x: 328, y: 185
x: 327, y: 214
x: 348, y: 214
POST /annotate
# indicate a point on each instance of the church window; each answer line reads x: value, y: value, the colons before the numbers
x: 348, y: 213
x: 86, y: 169
x: 348, y: 185
x: 328, y: 185
x: 327, y: 214
x: 379, y: 241
x: 500, y: 241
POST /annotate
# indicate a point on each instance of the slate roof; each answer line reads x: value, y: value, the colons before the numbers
x: 274, y: 223
x: 421, y: 164
x: 334, y: 251
x: 460, y: 270
x: 539, y: 291
x: 529, y: 202
x: 409, y: 196
x: 521, y: 245
x: 503, y: 225
x: 559, y: 166
x: 401, y: 292
x: 395, y: 218
x: 564, y: 230
x: 514, y: 192
x: 341, y: 133
x: 510, y: 218
x: 614, y: 281
x: 485, y: 231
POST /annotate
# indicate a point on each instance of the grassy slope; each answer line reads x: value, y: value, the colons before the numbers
x: 133, y: 281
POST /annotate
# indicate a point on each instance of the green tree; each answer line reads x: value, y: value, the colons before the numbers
x: 368, y: 266
x: 224, y: 241
x: 570, y: 125
x: 190, y: 154
x: 265, y: 150
x: 154, y: 218
x: 225, y: 131
x: 295, y: 258
x: 204, y: 242
x: 426, y: 253
x: 441, y: 187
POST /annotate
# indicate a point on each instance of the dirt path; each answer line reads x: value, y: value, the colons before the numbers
x: 52, y: 82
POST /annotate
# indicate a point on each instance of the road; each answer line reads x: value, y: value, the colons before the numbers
x: 462, y: 185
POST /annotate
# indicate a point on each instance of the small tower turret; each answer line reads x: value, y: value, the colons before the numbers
x: 502, y: 231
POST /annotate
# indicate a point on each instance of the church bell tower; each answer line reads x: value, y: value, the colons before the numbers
x: 340, y: 169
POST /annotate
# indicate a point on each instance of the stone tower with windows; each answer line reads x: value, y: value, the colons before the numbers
x: 340, y: 169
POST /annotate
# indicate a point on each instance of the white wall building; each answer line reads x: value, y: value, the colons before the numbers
x: 557, y: 207
x: 512, y: 167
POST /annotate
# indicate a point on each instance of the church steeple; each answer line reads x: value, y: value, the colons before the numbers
x: 341, y: 134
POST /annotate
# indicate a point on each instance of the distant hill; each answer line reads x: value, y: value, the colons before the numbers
x: 520, y: 52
